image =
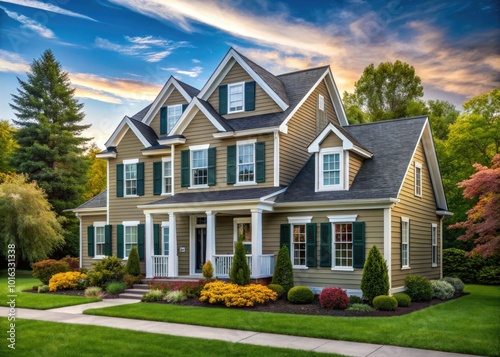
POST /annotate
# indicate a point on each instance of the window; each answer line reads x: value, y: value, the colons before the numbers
x: 321, y: 102
x: 173, y: 114
x: 130, y: 179
x: 342, y: 245
x: 99, y: 240
x: 130, y: 239
x: 167, y: 177
x: 299, y: 245
x: 434, y: 245
x: 418, y: 179
x: 199, y: 167
x: 330, y: 169
x: 166, y: 240
x: 236, y: 97
x: 405, y: 242
x: 246, y: 163
x: 243, y: 230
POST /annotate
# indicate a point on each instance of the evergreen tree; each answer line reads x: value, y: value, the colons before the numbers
x: 133, y: 266
x: 50, y: 146
x: 283, y: 271
x: 240, y: 271
x: 375, y: 280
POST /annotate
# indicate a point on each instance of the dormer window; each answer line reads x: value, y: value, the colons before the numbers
x: 236, y: 98
x: 169, y: 116
x: 331, y: 170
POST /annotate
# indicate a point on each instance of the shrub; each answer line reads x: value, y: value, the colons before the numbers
x: 116, y: 287
x: 43, y: 288
x: 283, y: 271
x: 455, y: 282
x: 240, y: 271
x: 192, y: 289
x: 68, y: 280
x: 457, y: 264
x: 375, y: 280
x: 73, y: 263
x: 278, y: 289
x: 385, y: 303
x: 360, y: 308
x: 418, y: 288
x: 403, y: 299
x: 208, y: 270
x: 354, y: 299
x: 133, y: 266
x: 131, y: 280
x: 94, y: 292
x: 442, y: 290
x: 334, y: 298
x: 153, y: 295
x: 109, y: 269
x: 228, y: 294
x: 45, y: 269
x: 489, y: 275
x: 300, y: 295
x: 175, y: 296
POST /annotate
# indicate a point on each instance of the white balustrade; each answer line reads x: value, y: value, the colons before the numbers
x: 160, y: 266
x: 222, y: 264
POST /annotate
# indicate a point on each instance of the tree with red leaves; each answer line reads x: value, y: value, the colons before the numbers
x: 483, y: 220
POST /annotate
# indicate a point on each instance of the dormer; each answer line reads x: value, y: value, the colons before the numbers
x: 338, y: 158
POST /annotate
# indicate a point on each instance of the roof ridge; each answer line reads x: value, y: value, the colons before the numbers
x: 302, y: 70
x: 388, y: 121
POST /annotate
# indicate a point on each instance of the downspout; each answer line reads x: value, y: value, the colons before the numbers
x: 441, y: 247
x: 81, y: 244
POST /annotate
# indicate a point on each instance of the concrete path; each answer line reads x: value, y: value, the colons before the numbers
x: 73, y: 315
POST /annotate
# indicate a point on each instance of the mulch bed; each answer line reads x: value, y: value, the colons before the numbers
x: 71, y: 293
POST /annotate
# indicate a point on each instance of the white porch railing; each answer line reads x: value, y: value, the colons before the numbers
x: 160, y: 265
x: 222, y: 265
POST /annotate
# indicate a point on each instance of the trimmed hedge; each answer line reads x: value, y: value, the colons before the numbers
x: 375, y: 279
x: 278, y: 289
x: 334, y: 298
x: 283, y: 271
x: 133, y: 266
x: 300, y: 295
x: 45, y: 269
x: 418, y: 288
x: 385, y: 303
x: 403, y: 299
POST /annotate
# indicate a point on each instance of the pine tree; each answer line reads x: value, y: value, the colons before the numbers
x: 375, y: 280
x: 283, y: 272
x: 50, y: 146
x: 240, y: 271
x: 133, y: 266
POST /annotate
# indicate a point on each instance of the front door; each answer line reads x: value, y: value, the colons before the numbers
x: 200, y: 247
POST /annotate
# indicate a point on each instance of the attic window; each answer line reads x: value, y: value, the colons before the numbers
x: 418, y: 179
x: 236, y: 97
x: 321, y: 102
x: 331, y: 169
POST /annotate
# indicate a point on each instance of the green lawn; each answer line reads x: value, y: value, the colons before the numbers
x: 470, y: 324
x: 25, y: 281
x: 40, y: 338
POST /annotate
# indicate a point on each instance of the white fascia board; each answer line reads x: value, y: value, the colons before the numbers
x: 336, y: 99
x: 156, y: 152
x: 283, y: 126
x: 108, y: 155
x: 89, y: 211
x: 274, y: 194
x: 137, y: 133
x: 189, y: 114
x: 362, y: 152
x: 330, y: 128
x: 117, y: 135
x: 247, y: 132
x: 336, y: 205
x: 172, y: 141
x: 205, y: 206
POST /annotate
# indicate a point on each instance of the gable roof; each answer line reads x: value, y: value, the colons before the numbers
x: 349, y: 142
x: 143, y: 132
x: 98, y: 202
x: 139, y: 115
x: 393, y: 144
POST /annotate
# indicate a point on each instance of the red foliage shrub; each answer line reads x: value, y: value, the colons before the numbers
x: 45, y: 269
x: 190, y: 288
x: 73, y: 263
x: 334, y: 298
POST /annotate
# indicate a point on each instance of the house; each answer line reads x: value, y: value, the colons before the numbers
x: 270, y: 159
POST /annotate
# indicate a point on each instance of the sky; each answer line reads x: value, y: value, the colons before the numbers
x: 119, y: 53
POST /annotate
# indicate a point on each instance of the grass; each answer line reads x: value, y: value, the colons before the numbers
x: 24, y: 281
x: 470, y: 324
x: 41, y: 338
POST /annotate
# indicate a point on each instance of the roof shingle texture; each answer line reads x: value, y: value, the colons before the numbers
x: 98, y: 201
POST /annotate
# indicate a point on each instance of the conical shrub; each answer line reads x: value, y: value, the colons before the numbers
x: 133, y: 263
x: 283, y: 271
x: 240, y: 271
x: 375, y: 280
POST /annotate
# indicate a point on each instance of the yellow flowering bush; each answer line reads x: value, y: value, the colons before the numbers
x: 228, y: 294
x: 67, y: 281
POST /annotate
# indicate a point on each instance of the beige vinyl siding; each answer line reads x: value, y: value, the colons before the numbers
x: 301, y: 132
x: 264, y: 104
x: 355, y: 162
x: 88, y: 220
x: 199, y: 132
x: 174, y: 98
x: 331, y: 141
x: 422, y: 213
x: 183, y: 240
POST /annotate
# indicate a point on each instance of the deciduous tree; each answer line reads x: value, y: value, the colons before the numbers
x: 7, y: 145
x: 97, y: 173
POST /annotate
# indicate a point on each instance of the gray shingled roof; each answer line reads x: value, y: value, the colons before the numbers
x: 98, y: 201
x: 146, y: 131
x: 191, y: 91
x: 216, y: 115
x: 214, y: 196
x: 392, y: 143
x: 140, y: 115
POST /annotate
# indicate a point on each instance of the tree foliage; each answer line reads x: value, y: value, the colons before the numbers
x: 27, y: 219
x: 8, y: 145
x: 483, y: 220
x: 97, y: 173
x: 441, y: 115
x: 375, y: 279
x: 240, y: 271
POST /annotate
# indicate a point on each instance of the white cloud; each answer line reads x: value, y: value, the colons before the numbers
x: 193, y: 72
x: 12, y: 62
x: 48, y: 7
x: 29, y: 24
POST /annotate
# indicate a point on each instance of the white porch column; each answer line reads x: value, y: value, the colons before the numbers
x: 172, y: 245
x: 256, y: 241
x: 148, y: 245
x: 210, y: 249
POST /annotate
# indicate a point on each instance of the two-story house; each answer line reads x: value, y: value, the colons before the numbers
x: 271, y: 160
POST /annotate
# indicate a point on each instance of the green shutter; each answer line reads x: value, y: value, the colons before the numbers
x: 157, y: 177
x: 249, y: 96
x: 325, y: 255
x: 185, y: 174
x: 140, y: 179
x: 119, y: 180
x: 156, y: 239
x: 163, y: 120
x: 90, y: 240
x: 211, y: 167
x: 231, y: 164
x: 285, y: 235
x: 140, y: 240
x: 260, y: 162
x: 311, y: 251
x: 184, y: 106
x: 223, y: 99
x: 107, y: 240
x: 358, y: 245
x: 119, y: 240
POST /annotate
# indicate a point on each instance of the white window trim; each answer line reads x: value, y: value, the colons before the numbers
x: 229, y: 111
x: 236, y: 221
x: 418, y: 166
x: 172, y: 106
x: 164, y: 224
x: 129, y: 224
x: 98, y: 225
x: 191, y: 149
x: 343, y: 218
x: 319, y: 169
x: 339, y: 219
x: 300, y: 220
x: 321, y: 102
x: 242, y: 143
x: 128, y: 162
x: 407, y: 220
x: 298, y: 267
x: 434, y: 243
x: 163, y: 161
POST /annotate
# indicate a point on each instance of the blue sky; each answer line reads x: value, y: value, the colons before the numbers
x: 119, y: 53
